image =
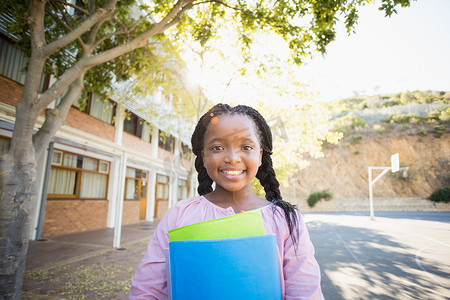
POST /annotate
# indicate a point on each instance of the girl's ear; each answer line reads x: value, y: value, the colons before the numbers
x: 203, y: 157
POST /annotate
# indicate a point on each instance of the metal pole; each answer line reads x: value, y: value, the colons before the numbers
x: 48, y: 167
x: 372, y: 217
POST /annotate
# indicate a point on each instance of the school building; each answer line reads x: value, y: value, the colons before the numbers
x: 107, y: 166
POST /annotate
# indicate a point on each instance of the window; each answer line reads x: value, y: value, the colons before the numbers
x: 57, y: 158
x: 162, y: 187
x: 185, y: 151
x: 182, y: 189
x: 95, y: 107
x: 102, y: 110
x: 166, y: 141
x: 12, y: 63
x: 138, y: 127
x: 130, y: 124
x: 77, y: 176
x: 135, y: 184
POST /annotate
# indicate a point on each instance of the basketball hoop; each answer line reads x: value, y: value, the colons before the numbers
x: 395, y: 167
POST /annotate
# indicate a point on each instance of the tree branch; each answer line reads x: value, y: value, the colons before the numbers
x: 63, y: 13
x: 178, y: 16
x: 55, y: 118
x: 87, y: 13
x: 139, y: 41
x: 224, y: 4
x: 99, y: 14
x: 88, y: 61
x: 58, y: 20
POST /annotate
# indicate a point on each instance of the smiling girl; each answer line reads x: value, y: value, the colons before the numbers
x: 233, y: 145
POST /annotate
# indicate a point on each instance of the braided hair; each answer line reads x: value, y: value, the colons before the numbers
x: 265, y: 174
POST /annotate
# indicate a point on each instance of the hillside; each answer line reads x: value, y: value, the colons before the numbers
x: 423, y: 144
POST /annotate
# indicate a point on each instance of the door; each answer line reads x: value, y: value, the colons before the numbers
x: 136, y: 189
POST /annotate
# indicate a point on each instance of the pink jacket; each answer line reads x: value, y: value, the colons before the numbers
x: 300, y: 273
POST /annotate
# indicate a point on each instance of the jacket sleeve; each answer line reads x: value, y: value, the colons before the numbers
x: 300, y: 268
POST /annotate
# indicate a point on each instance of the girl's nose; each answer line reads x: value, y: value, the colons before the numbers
x: 232, y: 156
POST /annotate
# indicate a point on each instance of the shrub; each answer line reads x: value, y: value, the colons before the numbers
x: 423, y: 132
x: 379, y: 128
x: 441, y: 195
x: 355, y: 138
x: 315, y: 197
x: 439, y: 130
x: 405, y: 127
x: 445, y: 115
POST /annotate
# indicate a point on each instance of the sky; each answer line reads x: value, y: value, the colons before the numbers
x: 407, y: 52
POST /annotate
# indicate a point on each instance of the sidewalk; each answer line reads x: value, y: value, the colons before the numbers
x: 85, y: 265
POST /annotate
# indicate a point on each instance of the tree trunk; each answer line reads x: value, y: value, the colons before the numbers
x: 18, y: 186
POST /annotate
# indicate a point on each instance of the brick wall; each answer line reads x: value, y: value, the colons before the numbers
x: 11, y: 91
x: 85, y: 122
x: 130, y: 212
x: 133, y: 142
x: 69, y: 216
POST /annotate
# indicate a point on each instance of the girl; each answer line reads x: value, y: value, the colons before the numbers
x: 233, y: 145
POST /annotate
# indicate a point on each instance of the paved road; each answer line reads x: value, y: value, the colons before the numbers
x: 397, y: 256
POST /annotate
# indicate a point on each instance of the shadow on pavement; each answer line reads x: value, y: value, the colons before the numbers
x: 364, y: 263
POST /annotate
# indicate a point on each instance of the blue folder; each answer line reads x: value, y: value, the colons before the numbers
x: 233, y: 268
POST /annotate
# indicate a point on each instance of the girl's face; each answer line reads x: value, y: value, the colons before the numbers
x: 231, y: 152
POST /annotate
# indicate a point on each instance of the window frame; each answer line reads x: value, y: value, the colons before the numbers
x: 79, y: 174
x: 182, y: 184
x: 87, y: 109
x: 162, y: 141
x: 138, y: 126
x: 140, y: 180
x: 166, y: 183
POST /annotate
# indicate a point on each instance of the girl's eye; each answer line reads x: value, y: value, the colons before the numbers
x: 216, y: 148
x: 247, y: 147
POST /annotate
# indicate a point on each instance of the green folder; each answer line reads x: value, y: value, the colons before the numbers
x: 239, y: 225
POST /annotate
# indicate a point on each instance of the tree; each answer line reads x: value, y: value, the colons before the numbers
x: 69, y: 38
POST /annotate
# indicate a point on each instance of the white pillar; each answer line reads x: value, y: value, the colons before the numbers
x: 155, y: 141
x: 174, y: 189
x: 119, y: 124
x: 120, y: 197
x: 151, y: 196
x: 113, y: 191
x: 177, y: 153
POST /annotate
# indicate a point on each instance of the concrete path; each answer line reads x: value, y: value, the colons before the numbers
x: 397, y: 256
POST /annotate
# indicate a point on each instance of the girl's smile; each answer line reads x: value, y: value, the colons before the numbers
x: 232, y: 152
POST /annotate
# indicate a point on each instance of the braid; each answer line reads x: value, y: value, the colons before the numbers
x: 204, y: 181
x: 265, y: 174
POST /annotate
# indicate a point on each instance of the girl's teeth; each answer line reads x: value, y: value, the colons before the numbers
x: 232, y: 172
